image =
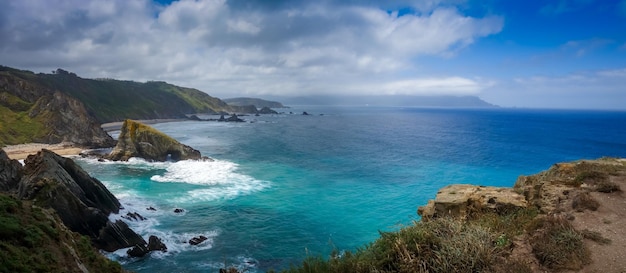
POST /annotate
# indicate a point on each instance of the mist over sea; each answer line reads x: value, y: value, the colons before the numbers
x: 286, y: 186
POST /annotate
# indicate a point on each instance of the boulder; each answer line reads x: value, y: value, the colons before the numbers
x: 461, y: 200
x: 118, y: 235
x: 234, y: 118
x: 267, y: 110
x: 140, y: 140
x: 82, y: 202
x: 178, y: 210
x: 133, y: 216
x: 155, y: 243
x: 197, y: 240
x: 10, y: 172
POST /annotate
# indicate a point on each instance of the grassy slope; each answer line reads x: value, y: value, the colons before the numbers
x: 33, y: 240
x: 114, y: 100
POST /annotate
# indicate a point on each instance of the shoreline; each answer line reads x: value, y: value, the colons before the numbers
x: 22, y: 151
x: 116, y: 126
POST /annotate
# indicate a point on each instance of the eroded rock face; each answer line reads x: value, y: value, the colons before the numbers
x: 10, y: 172
x: 560, y: 186
x: 82, y: 202
x: 69, y: 121
x: 460, y: 200
x: 140, y: 140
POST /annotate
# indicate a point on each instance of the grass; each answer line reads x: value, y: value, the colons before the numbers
x: 33, y: 240
x: 595, y: 236
x: 557, y: 245
x: 584, y: 201
x: 481, y: 244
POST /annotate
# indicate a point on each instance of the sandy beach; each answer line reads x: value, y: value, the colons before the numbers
x: 21, y: 151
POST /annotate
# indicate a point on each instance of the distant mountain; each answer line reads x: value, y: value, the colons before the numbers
x: 260, y: 103
x: 389, y: 100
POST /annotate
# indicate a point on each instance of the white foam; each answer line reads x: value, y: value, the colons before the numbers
x: 220, y: 177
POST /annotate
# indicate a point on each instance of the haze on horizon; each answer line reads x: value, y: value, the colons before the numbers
x: 543, y: 54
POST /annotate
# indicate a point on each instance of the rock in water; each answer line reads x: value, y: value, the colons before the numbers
x: 197, y: 240
x: 267, y: 110
x: 155, y: 243
x: 140, y: 140
x: 82, y: 202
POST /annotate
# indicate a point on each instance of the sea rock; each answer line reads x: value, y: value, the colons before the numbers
x: 460, y: 200
x: 267, y: 110
x: 305, y: 113
x: 10, y: 172
x: 133, y: 216
x: 234, y: 118
x: 82, y: 202
x: 197, y: 240
x: 155, y: 244
x: 178, y: 210
x: 116, y: 236
x: 140, y: 140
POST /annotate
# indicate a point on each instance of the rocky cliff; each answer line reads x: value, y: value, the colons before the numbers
x: 140, y: 140
x: 35, y: 113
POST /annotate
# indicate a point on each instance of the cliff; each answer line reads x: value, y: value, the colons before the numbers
x: 111, y: 100
x: 34, y: 113
x: 140, y: 140
x: 569, y: 218
x: 46, y: 204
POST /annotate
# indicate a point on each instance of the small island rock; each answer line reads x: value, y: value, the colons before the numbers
x: 140, y: 140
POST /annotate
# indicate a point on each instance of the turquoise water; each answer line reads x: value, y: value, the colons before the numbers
x: 285, y: 186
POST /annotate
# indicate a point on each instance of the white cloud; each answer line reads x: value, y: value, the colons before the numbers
x: 223, y: 49
x: 600, y: 89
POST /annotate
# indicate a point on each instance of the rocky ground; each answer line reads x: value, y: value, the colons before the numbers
x: 587, y: 195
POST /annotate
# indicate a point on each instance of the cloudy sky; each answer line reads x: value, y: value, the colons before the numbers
x: 551, y: 53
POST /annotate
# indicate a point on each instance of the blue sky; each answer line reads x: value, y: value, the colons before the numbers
x: 542, y: 54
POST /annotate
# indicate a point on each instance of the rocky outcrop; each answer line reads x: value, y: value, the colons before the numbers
x: 267, y: 110
x: 461, y: 201
x: 562, y: 186
x: 154, y: 244
x: 53, y: 116
x: 68, y: 121
x: 82, y: 202
x: 10, y: 172
x: 140, y: 140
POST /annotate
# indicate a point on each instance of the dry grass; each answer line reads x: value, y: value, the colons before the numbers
x: 584, y: 201
x: 557, y: 245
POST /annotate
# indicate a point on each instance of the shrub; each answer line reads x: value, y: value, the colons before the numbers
x: 557, y: 245
x: 583, y: 201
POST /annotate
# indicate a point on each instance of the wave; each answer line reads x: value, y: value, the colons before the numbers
x: 220, y: 178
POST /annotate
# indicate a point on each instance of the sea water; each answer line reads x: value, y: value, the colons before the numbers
x: 286, y: 186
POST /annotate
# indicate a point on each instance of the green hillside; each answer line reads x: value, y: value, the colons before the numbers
x: 115, y: 100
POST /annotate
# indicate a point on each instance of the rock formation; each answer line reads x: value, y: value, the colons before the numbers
x: 139, y: 140
x: 82, y: 202
x: 267, y: 110
x: 10, y: 172
x: 460, y: 201
x: 53, y: 116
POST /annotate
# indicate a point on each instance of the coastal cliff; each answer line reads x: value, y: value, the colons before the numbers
x: 570, y: 218
x: 34, y: 113
x: 67, y: 202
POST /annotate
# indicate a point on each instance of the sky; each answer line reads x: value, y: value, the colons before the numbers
x: 538, y: 54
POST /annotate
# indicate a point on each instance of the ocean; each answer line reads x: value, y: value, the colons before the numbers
x: 286, y: 186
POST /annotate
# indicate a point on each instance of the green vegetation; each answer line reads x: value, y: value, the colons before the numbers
x: 18, y: 127
x: 481, y: 244
x: 115, y: 100
x: 33, y: 240
x: 254, y: 101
